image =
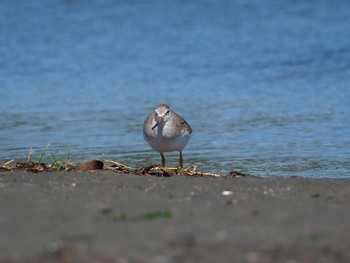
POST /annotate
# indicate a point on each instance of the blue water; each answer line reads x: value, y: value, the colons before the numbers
x: 265, y: 84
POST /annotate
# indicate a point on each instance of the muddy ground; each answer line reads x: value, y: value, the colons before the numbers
x: 109, y: 217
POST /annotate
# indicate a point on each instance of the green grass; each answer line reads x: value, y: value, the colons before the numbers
x: 310, y: 238
x: 30, y: 154
x: 43, y: 155
x: 120, y: 217
x: 58, y: 160
x: 63, y: 160
x: 154, y: 215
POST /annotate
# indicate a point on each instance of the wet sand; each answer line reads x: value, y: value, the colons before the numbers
x: 109, y: 217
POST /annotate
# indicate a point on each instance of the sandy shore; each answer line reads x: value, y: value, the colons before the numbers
x: 109, y: 217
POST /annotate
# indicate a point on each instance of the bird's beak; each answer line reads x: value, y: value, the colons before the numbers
x: 159, y: 121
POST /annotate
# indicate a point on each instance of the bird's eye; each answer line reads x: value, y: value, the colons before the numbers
x: 167, y: 112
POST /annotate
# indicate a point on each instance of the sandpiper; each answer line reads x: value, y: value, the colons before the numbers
x: 166, y: 131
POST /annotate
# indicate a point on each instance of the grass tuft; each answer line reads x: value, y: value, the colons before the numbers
x: 154, y: 215
x: 121, y: 217
x: 60, y: 161
x: 30, y: 154
x: 43, y: 155
x: 310, y: 238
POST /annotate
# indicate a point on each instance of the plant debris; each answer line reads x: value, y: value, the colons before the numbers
x: 32, y: 167
x: 92, y: 165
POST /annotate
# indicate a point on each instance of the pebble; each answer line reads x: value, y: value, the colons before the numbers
x: 226, y: 193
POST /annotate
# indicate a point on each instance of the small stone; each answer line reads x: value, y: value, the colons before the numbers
x: 52, y: 247
x: 232, y: 202
x: 316, y: 195
x: 90, y: 165
x: 226, y: 193
x: 255, y: 213
x: 107, y: 210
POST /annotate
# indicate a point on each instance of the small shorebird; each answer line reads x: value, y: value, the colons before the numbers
x: 165, y: 131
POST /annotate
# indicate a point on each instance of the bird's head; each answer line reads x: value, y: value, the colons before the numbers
x: 162, y: 113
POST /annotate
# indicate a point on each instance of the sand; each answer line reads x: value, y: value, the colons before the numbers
x: 109, y: 217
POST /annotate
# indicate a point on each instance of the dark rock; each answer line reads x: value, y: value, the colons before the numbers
x: 90, y: 165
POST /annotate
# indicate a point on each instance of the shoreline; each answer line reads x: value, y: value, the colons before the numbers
x: 108, y: 217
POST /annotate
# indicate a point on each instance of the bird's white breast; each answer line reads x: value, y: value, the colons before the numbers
x: 165, y: 139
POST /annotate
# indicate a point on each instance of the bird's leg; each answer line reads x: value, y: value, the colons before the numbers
x: 163, y: 159
x: 180, y: 159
